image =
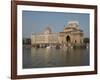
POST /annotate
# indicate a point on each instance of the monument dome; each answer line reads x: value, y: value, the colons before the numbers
x: 47, y: 30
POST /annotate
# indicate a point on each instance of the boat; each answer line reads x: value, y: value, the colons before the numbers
x: 48, y: 47
x: 71, y: 47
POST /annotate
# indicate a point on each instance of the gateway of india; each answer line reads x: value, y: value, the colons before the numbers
x: 71, y: 35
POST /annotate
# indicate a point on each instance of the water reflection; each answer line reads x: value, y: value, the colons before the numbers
x: 42, y: 57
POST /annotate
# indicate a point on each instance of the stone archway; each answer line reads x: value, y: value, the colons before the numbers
x: 68, y: 39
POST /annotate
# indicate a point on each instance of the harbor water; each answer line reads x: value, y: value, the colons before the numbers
x: 52, y: 57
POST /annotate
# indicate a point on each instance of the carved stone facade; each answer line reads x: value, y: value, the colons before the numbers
x: 45, y: 38
x: 71, y: 35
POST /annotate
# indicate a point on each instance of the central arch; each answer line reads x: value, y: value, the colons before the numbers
x: 68, y: 38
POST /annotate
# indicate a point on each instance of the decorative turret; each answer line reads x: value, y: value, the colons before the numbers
x: 72, y: 25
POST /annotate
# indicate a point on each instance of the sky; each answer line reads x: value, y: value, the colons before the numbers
x: 37, y: 21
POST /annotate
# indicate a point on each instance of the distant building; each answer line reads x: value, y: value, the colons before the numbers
x: 71, y: 35
x: 26, y: 41
x: 45, y: 38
